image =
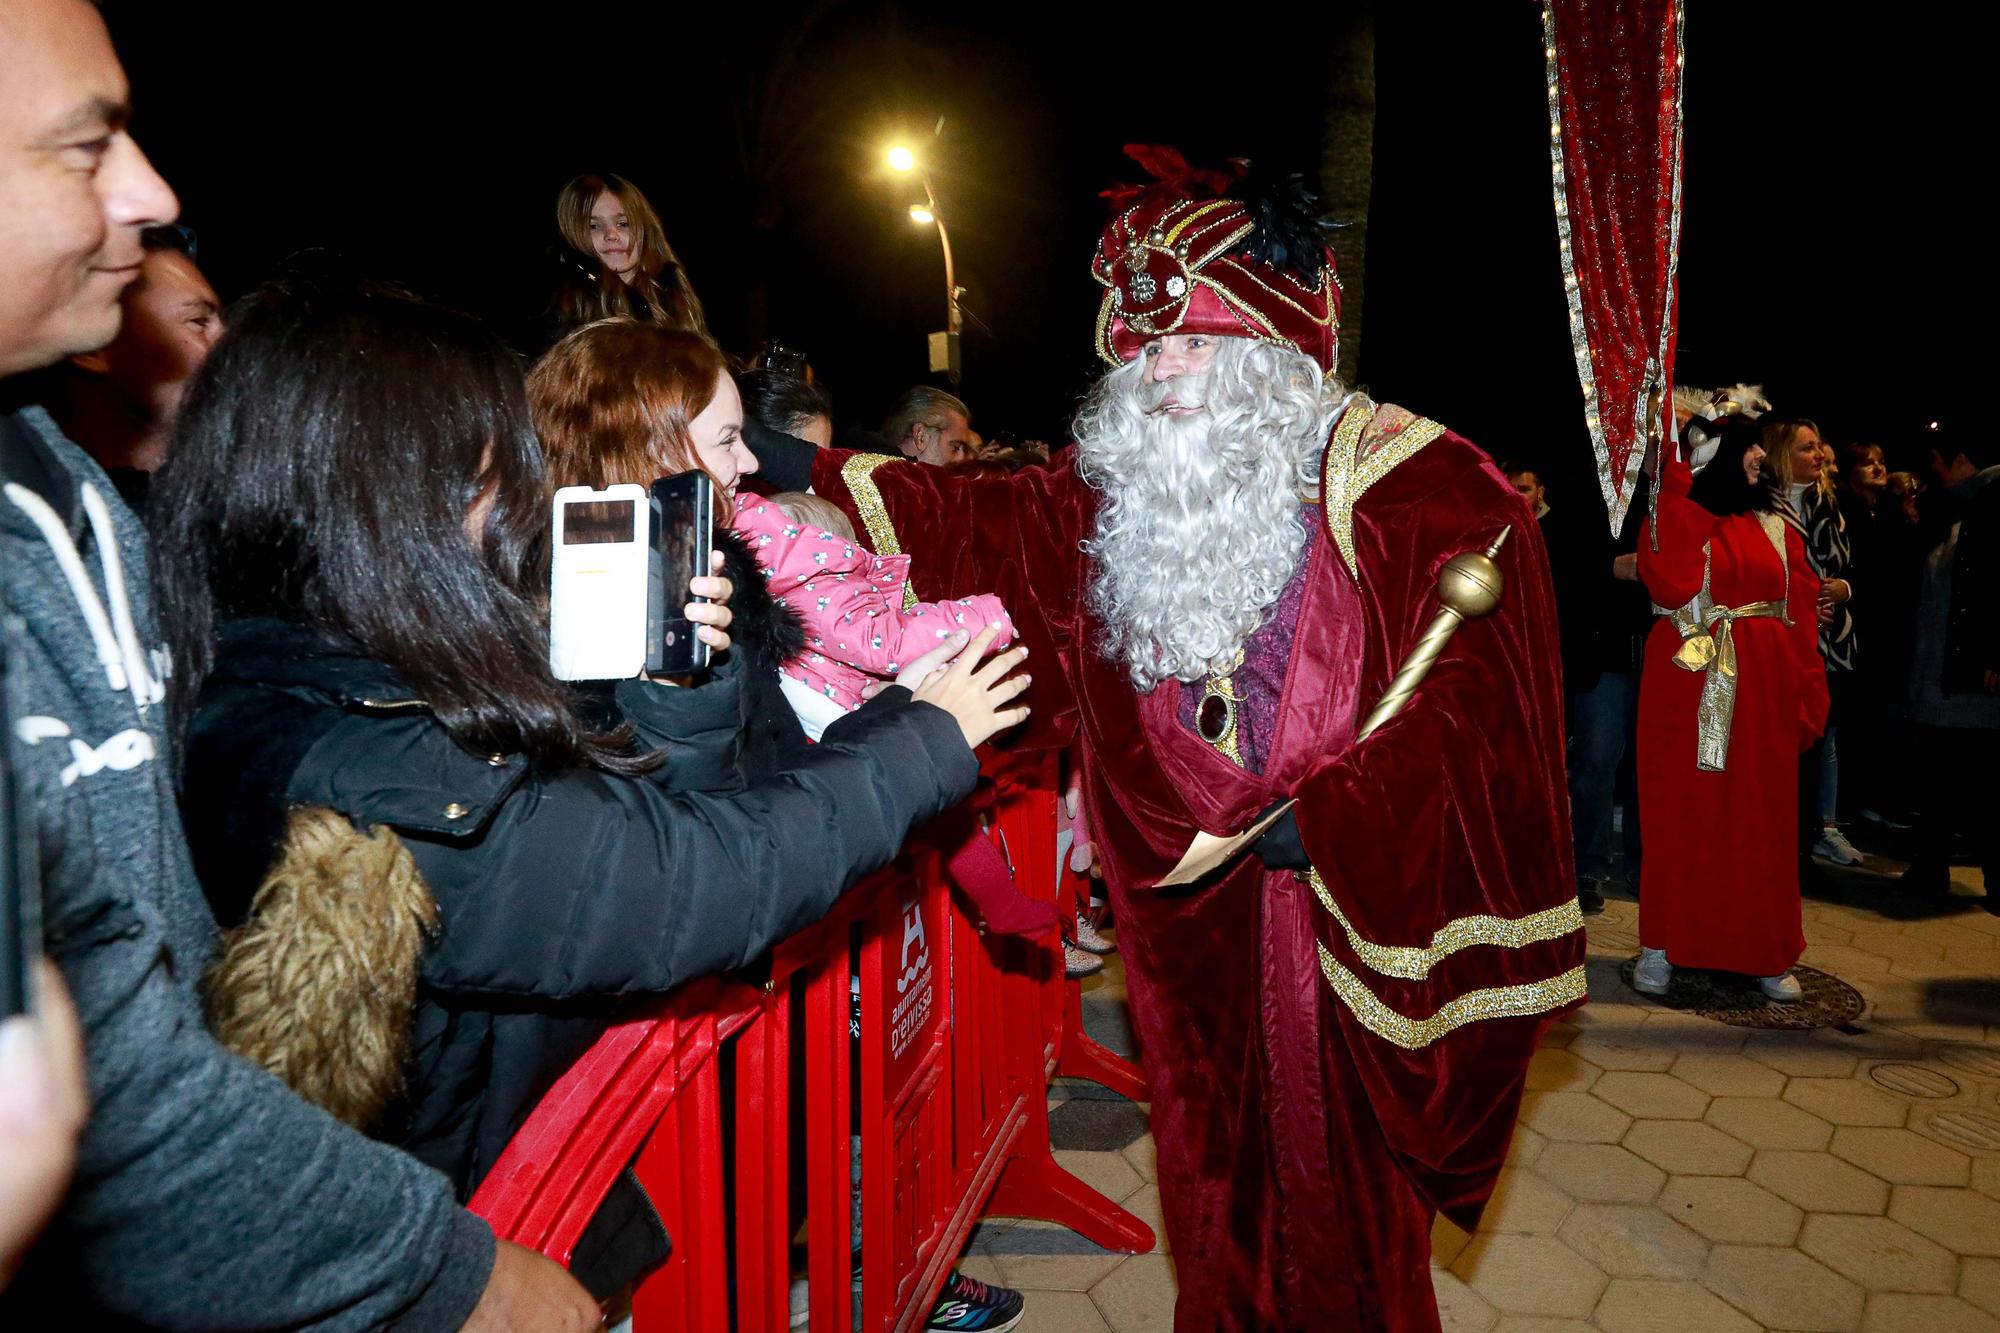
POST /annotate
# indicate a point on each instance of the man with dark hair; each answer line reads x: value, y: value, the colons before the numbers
x: 930, y: 426
x: 119, y: 402
x: 1955, y: 674
x: 207, y: 1195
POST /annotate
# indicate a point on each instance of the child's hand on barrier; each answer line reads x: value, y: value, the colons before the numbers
x: 971, y: 693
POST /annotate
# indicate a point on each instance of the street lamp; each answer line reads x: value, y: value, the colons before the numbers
x: 944, y: 347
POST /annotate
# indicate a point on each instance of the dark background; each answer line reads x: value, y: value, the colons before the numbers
x: 1828, y: 184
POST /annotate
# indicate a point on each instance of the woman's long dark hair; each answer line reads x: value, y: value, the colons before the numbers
x: 1721, y: 488
x: 322, y: 469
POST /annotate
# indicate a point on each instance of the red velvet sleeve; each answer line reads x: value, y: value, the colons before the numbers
x: 1443, y: 842
x: 1672, y: 574
x: 1802, y: 604
x: 1018, y: 537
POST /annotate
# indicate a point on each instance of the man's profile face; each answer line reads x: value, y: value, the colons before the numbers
x: 75, y: 191
x: 1529, y: 487
x: 1172, y: 357
x: 941, y: 446
x: 172, y: 318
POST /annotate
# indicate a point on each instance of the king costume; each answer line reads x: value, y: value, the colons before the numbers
x: 1335, y: 1054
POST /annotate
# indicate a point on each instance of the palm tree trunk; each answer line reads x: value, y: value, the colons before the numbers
x: 1347, y: 168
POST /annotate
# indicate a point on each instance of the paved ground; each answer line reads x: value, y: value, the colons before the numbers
x: 1670, y: 1173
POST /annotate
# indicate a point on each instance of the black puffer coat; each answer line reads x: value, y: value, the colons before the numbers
x: 558, y: 897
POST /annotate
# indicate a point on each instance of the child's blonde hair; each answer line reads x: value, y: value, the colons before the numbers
x: 801, y: 507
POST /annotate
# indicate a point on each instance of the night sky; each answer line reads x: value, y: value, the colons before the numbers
x: 1828, y: 205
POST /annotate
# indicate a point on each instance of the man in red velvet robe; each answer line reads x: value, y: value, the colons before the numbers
x: 1226, y: 572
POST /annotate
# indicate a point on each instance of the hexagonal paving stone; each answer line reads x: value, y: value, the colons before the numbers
x: 1960, y: 1220
x: 1624, y: 1048
x: 1575, y: 1117
x: 1525, y: 1146
x: 1556, y: 1070
x: 1600, y: 1173
x: 1106, y: 1172
x: 1900, y: 1157
x: 1638, y: 1305
x: 1447, y: 1241
x: 1766, y: 1122
x: 1042, y: 1256
x: 1979, y: 1282
x: 1986, y: 1176
x: 1731, y: 1209
x: 1688, y: 1148
x: 1530, y: 1275
x: 1796, y: 1054
x: 1626, y: 1240
x: 1846, y: 1101
x: 1651, y: 1096
x: 1892, y: 1312
x: 1782, y: 1288
x: 1534, y: 1323
x: 1524, y: 1203
x: 1138, y: 1296
x: 1820, y: 1182
x: 1691, y: 1032
x: 1460, y: 1308
x: 1061, y: 1312
x: 1145, y: 1205
x: 1729, y: 1075
x: 1879, y: 1254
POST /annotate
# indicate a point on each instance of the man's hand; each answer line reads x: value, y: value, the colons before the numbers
x: 533, y: 1294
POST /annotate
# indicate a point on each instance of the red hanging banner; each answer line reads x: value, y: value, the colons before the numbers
x: 1614, y: 81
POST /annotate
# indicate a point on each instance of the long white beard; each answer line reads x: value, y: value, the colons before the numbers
x: 1200, y: 529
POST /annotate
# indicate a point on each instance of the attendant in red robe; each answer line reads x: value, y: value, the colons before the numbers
x: 1733, y: 691
x: 1226, y: 572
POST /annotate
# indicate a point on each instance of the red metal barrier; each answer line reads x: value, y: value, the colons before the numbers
x: 959, y: 1036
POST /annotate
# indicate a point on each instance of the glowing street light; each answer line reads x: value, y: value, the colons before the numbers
x: 944, y: 346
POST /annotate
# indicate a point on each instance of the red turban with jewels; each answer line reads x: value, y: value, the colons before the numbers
x: 1181, y: 257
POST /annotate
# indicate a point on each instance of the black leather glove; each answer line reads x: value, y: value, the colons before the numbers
x: 1280, y: 846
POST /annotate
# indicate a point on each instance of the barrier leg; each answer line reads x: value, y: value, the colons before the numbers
x: 763, y: 1236
x: 829, y: 1231
x: 1079, y: 1055
x: 1033, y: 1185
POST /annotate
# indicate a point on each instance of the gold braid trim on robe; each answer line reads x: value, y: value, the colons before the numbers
x: 1413, y: 964
x: 1370, y: 441
x: 858, y: 473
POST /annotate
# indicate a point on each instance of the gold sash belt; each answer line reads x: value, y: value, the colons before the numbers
x: 1708, y: 646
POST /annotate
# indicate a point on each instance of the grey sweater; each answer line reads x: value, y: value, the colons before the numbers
x: 206, y: 1194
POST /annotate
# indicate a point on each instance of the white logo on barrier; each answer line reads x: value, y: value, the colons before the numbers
x: 121, y: 753
x: 913, y: 985
x: 913, y: 938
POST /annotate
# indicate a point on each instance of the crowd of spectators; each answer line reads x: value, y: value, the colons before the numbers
x: 275, y: 577
x: 1905, y: 613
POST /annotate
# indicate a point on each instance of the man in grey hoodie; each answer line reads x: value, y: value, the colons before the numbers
x: 206, y: 1194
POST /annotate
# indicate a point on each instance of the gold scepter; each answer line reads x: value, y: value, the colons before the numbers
x: 1469, y: 588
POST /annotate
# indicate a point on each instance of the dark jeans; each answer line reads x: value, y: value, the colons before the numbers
x: 1603, y: 724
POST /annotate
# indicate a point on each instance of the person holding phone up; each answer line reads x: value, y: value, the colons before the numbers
x: 379, y: 761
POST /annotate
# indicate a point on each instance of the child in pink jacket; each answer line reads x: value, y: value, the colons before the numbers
x: 863, y: 624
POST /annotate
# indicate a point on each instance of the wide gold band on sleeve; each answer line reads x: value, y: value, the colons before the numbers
x: 858, y: 473
x: 1412, y: 1034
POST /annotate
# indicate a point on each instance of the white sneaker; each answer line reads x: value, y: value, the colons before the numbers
x: 1833, y: 846
x: 1088, y: 937
x: 1654, y: 973
x: 1077, y: 963
x: 1785, y: 989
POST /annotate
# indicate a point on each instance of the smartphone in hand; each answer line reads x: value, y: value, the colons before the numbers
x: 683, y: 535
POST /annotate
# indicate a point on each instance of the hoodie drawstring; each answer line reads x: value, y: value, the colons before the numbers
x: 118, y: 651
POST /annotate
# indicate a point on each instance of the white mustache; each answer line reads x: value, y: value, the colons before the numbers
x: 1187, y: 391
